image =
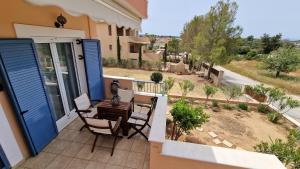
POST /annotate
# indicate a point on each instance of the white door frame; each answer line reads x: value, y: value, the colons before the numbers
x: 51, y: 35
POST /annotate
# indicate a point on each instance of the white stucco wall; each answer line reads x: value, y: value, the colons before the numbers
x: 8, y: 141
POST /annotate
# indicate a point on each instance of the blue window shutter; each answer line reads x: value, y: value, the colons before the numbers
x: 25, y: 86
x: 93, y: 67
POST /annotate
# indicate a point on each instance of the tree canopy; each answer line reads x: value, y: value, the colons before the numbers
x: 269, y: 43
x: 213, y: 37
x: 282, y: 60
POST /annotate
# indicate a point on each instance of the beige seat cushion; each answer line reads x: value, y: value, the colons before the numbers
x: 125, y: 95
x: 139, y: 115
x: 83, y: 102
x: 136, y: 122
x: 100, y: 123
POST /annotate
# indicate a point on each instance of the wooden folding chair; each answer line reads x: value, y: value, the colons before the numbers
x: 139, y: 123
x: 83, y: 104
x: 141, y: 115
x: 100, y: 126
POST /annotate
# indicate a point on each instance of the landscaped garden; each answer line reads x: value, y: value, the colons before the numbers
x: 252, y: 69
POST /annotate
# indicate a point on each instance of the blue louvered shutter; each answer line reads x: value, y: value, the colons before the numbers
x: 25, y: 85
x: 93, y: 67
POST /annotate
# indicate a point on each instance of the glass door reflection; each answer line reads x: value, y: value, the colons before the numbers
x: 49, y: 74
x: 68, y: 72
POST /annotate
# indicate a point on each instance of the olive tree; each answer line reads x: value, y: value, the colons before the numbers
x: 209, y: 91
x: 169, y: 82
x: 232, y: 91
x: 186, y: 86
x: 186, y: 118
x: 282, y: 60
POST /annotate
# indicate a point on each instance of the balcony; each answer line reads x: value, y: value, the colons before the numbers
x: 71, y: 149
x: 138, y: 40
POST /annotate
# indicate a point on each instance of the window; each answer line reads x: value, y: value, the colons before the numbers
x: 134, y: 48
x: 120, y: 31
x: 109, y: 30
x: 110, y: 47
x: 128, y: 32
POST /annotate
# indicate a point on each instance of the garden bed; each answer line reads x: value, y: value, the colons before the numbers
x: 243, y: 129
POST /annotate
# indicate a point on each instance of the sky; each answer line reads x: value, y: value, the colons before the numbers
x: 256, y: 17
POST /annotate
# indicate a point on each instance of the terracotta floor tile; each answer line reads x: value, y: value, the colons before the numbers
x: 59, y: 162
x: 101, y: 155
x: 124, y: 144
x: 139, y: 146
x: 119, y: 158
x: 72, y: 149
x: 95, y: 165
x: 135, y: 160
x: 57, y: 146
x: 77, y: 164
x: 85, y: 153
x: 40, y: 161
x: 113, y: 167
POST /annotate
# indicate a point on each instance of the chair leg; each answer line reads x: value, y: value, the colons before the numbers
x: 114, y: 144
x: 82, y: 128
x: 148, y: 125
x: 138, y: 131
x: 94, y: 143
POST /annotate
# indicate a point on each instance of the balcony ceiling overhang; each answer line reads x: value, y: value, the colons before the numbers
x: 139, y: 40
x: 97, y: 10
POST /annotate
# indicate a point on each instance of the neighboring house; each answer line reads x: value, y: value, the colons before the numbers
x: 160, y: 43
x: 43, y: 68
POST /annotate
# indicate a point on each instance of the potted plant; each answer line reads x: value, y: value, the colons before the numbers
x: 156, y: 77
x: 140, y: 85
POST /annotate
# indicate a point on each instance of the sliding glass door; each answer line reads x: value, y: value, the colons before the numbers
x: 57, y: 65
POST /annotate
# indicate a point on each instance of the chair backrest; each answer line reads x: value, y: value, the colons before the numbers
x: 82, y: 102
x: 125, y: 95
x: 153, y: 105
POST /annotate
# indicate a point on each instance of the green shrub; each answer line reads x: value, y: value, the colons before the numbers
x: 251, y: 55
x: 140, y: 85
x: 156, y: 77
x: 228, y: 107
x: 169, y: 83
x: 158, y: 65
x: 274, y: 117
x: 262, y: 108
x: 147, y: 65
x: 209, y: 91
x: 124, y: 63
x: 243, y: 106
x: 232, y: 92
x: 131, y: 64
x: 186, y: 86
x: 186, y: 118
x: 288, y: 152
x: 215, y: 103
x: 109, y: 61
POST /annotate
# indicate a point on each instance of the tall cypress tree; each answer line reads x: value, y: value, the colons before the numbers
x: 165, y: 55
x: 119, y: 50
x: 140, y: 56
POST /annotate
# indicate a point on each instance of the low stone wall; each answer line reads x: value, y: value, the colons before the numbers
x: 216, y: 75
x: 252, y: 103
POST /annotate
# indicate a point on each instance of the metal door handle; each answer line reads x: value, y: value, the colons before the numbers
x: 23, y: 112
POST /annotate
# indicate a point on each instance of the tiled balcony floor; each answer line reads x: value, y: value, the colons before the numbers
x: 72, y: 150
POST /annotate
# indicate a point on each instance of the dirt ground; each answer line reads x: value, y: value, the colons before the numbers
x: 145, y: 75
x: 244, y: 129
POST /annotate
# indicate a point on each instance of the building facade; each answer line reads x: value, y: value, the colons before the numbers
x: 46, y: 61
